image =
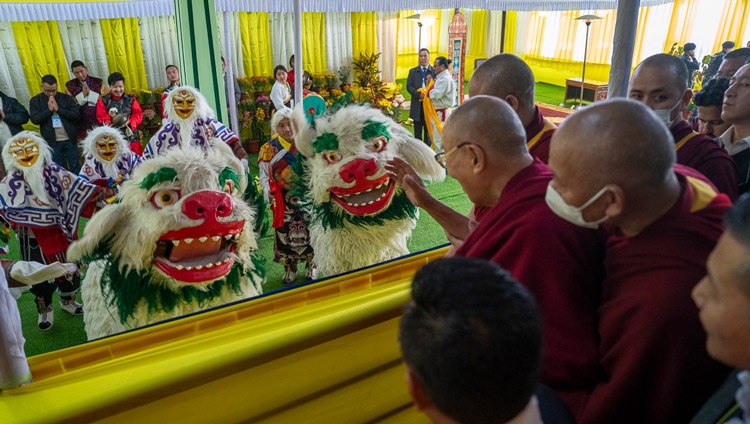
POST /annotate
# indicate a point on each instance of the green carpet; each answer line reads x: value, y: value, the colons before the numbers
x: 68, y: 330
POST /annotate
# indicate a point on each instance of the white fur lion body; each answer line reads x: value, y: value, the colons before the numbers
x: 347, y: 184
x: 179, y: 224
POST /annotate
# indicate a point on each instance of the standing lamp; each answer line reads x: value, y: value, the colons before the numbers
x: 587, y: 19
x: 415, y: 17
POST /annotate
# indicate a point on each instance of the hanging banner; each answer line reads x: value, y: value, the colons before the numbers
x: 457, y: 36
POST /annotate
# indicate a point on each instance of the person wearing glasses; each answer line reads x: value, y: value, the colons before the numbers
x: 560, y: 263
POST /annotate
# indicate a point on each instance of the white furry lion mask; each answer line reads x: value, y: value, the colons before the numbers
x: 360, y: 215
x: 179, y: 239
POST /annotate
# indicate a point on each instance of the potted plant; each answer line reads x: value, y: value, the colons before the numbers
x: 156, y: 99
x: 259, y: 85
x: 244, y: 85
x: 144, y: 98
x: 256, y: 128
x: 345, y: 72
x: 366, y: 75
x: 331, y: 80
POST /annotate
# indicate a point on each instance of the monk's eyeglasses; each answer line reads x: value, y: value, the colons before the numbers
x: 442, y: 157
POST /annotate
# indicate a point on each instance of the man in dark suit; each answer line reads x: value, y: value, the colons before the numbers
x: 12, y: 113
x: 58, y: 116
x: 416, y: 80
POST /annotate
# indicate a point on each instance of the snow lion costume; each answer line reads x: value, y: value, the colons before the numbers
x: 178, y: 240
x: 360, y: 216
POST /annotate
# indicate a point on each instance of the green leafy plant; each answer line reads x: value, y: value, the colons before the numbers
x: 367, y: 77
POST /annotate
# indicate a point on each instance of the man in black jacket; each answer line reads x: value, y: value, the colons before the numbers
x: 12, y: 113
x: 416, y: 80
x: 58, y: 116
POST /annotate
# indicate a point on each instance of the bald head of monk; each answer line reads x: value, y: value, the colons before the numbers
x: 613, y: 161
x: 508, y: 77
x: 485, y: 145
x: 660, y: 82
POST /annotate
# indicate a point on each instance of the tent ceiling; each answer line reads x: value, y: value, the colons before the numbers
x: 30, y: 11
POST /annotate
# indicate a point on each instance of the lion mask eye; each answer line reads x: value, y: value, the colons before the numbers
x: 164, y: 198
x: 377, y: 144
x: 228, y: 187
x: 332, y: 157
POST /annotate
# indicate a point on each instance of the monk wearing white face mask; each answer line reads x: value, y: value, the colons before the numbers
x: 660, y: 82
x: 662, y: 220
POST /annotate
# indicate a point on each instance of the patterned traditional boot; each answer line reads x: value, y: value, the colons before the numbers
x: 290, y: 272
x: 69, y: 305
x: 46, y: 314
x: 311, y: 272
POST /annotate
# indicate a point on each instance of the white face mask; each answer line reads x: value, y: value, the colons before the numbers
x: 572, y: 214
x: 666, y: 115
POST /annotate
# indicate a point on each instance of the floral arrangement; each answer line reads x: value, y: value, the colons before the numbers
x: 259, y: 83
x: 144, y: 97
x: 331, y: 79
x: 391, y: 106
x: 344, y: 73
x: 257, y: 124
x: 262, y: 101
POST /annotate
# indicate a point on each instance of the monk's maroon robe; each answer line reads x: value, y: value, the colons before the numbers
x: 560, y: 263
x: 704, y: 155
x: 653, y: 350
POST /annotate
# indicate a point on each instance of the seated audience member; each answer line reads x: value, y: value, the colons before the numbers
x: 290, y: 74
x: 173, y: 77
x: 58, y: 116
x: 86, y: 90
x: 659, y: 83
x: 471, y: 343
x: 12, y: 117
x: 281, y: 93
x: 723, y: 297
x: 736, y: 111
x: 709, y: 101
x: 122, y: 111
x: 486, y: 153
x: 733, y: 61
x: 713, y: 65
x: 664, y: 220
x: 508, y: 77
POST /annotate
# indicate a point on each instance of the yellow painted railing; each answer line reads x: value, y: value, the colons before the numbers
x: 321, y: 353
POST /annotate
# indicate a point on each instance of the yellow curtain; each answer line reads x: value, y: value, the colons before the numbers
x: 601, y: 36
x: 122, y: 44
x: 640, y: 34
x: 364, y: 32
x: 477, y: 37
x: 511, y: 25
x: 406, y: 40
x: 735, y: 15
x: 566, y: 35
x: 535, y: 34
x: 255, y: 35
x: 41, y: 52
x: 314, y: 42
x: 681, y: 24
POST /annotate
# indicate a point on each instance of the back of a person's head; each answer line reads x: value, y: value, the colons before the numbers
x: 712, y: 92
x: 727, y: 45
x: 743, y: 52
x: 471, y: 336
x: 501, y: 75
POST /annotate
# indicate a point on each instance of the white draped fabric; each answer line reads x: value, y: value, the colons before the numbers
x: 338, y: 40
x: 12, y: 80
x: 282, y: 34
x: 238, y: 67
x: 82, y: 40
x: 394, y: 5
x: 159, y: 44
x: 494, y: 33
x: 387, y: 43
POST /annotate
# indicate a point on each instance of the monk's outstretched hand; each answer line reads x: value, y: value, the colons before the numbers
x: 407, y: 177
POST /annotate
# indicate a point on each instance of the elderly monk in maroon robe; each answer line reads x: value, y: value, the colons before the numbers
x: 663, y: 221
x: 560, y: 263
x: 509, y: 78
x: 660, y: 82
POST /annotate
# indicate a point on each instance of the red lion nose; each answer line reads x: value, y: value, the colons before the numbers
x: 358, y: 169
x: 207, y: 204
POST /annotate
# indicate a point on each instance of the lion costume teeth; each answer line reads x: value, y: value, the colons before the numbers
x: 179, y: 240
x: 360, y: 216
